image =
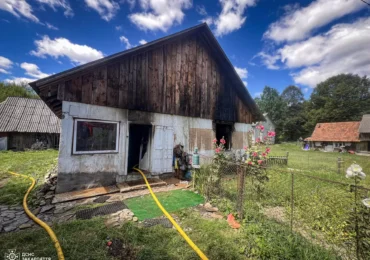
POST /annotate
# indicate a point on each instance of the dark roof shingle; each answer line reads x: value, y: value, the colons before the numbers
x: 19, y: 114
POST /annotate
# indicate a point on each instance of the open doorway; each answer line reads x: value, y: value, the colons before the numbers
x: 138, y: 147
x: 225, y: 131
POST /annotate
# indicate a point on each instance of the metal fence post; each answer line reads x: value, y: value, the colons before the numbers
x: 241, y: 188
x: 338, y: 163
x: 292, y: 203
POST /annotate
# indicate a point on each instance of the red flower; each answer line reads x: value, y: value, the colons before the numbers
x: 255, y: 154
x: 218, y: 149
x: 260, y: 162
x: 258, y: 140
x: 250, y: 162
x: 265, y: 138
x: 222, y: 141
x: 214, y: 141
x: 268, y: 150
x: 264, y: 154
x: 271, y: 133
x: 262, y: 127
x: 245, y: 147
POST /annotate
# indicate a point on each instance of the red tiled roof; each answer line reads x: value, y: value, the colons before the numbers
x: 336, y: 132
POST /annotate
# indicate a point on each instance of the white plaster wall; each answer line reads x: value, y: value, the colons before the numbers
x: 116, y: 162
x: 90, y: 163
x: 181, y: 126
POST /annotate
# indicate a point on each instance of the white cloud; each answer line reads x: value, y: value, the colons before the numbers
x: 107, y: 9
x: 242, y: 72
x: 54, y: 4
x: 201, y: 10
x: 118, y: 28
x: 268, y: 60
x: 305, y: 90
x: 33, y: 70
x: 5, y: 64
x: 142, y: 41
x: 232, y: 16
x: 299, y: 23
x: 209, y: 20
x: 62, y: 47
x: 52, y: 27
x: 160, y: 15
x: 19, y: 81
x: 124, y: 40
x: 18, y: 8
x: 343, y: 49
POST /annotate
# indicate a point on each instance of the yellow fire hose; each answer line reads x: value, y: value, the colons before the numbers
x: 38, y: 221
x: 179, y: 229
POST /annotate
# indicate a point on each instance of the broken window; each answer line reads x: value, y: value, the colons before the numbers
x: 92, y: 136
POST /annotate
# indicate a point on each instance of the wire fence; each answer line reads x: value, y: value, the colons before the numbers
x: 325, y: 207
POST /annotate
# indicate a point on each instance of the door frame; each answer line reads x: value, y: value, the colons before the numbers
x: 149, y: 149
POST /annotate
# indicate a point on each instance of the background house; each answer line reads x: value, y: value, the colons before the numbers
x: 268, y: 126
x: 24, y: 121
x: 333, y: 136
x: 364, y: 131
x: 133, y: 107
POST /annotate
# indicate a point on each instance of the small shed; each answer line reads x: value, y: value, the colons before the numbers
x: 364, y: 131
x: 26, y: 121
x: 335, y: 136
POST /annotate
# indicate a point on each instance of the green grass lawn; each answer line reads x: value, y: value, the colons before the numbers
x: 321, y: 163
x: 145, y: 207
x: 32, y: 163
x: 87, y: 240
x: 259, y: 238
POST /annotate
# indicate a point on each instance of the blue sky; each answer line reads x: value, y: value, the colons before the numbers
x: 270, y: 42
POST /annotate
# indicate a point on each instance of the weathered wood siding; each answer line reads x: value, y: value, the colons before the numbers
x: 180, y: 77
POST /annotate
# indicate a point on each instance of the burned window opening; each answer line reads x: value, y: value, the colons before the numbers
x: 139, y: 138
x: 94, y: 136
x: 224, y: 131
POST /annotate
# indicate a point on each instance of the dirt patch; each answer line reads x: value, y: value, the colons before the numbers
x: 276, y: 213
x: 121, y: 250
x: 3, y: 182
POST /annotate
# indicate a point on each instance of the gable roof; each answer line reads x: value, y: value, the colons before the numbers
x: 336, y: 132
x: 202, y: 29
x: 27, y: 115
x: 365, y: 124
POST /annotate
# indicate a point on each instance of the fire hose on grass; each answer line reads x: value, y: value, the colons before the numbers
x: 179, y: 229
x: 38, y: 221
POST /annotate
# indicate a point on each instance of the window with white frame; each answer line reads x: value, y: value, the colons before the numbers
x: 94, y: 136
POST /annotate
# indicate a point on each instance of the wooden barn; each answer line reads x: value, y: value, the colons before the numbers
x: 133, y: 107
x: 27, y: 123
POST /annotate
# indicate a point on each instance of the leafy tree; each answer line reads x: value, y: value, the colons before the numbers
x: 345, y: 97
x: 271, y: 103
x: 14, y: 90
x: 294, y: 117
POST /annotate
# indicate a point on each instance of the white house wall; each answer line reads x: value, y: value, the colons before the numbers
x: 89, y: 170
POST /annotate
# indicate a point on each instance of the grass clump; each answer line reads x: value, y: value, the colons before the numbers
x: 32, y: 163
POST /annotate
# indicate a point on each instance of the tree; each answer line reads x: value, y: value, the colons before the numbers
x: 294, y: 117
x: 345, y: 97
x: 14, y: 90
x: 271, y: 103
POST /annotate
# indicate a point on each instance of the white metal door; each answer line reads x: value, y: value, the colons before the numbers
x: 3, y: 143
x: 162, y: 149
